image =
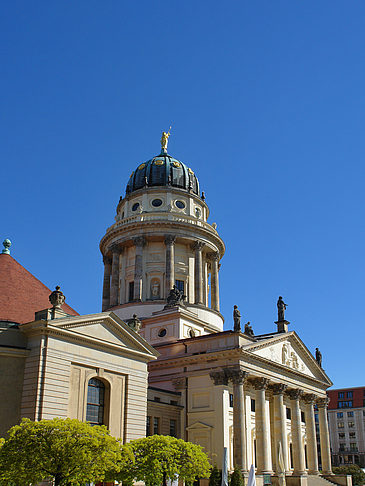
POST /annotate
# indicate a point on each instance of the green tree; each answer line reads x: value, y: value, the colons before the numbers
x: 358, y: 475
x: 159, y: 457
x: 215, y: 478
x: 236, y: 478
x: 65, y: 450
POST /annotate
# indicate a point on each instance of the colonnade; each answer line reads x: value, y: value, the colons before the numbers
x: 112, y: 273
x: 273, y: 394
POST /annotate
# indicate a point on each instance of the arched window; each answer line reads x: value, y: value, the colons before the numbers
x: 95, y: 402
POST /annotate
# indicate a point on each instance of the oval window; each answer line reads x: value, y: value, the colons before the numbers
x: 156, y: 203
x: 162, y: 333
x: 135, y: 206
x: 180, y: 204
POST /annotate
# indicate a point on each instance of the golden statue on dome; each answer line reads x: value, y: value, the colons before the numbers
x: 165, y: 139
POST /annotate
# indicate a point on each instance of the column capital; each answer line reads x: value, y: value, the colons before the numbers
x: 139, y: 241
x: 261, y: 383
x: 323, y: 402
x: 198, y: 245
x: 179, y: 383
x: 170, y: 239
x: 214, y: 256
x: 107, y: 260
x: 295, y: 394
x: 279, y: 388
x: 309, y: 398
x: 115, y: 248
x: 237, y: 375
x: 219, y: 377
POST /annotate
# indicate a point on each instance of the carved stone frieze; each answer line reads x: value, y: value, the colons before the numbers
x: 139, y: 241
x: 237, y: 375
x: 323, y: 402
x: 261, y: 383
x: 279, y: 388
x: 295, y: 394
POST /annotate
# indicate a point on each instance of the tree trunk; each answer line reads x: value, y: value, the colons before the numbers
x: 164, y: 481
x: 57, y: 480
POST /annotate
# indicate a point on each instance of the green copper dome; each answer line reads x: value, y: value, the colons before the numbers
x: 163, y: 170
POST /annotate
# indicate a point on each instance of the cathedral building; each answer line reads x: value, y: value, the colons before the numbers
x: 253, y: 395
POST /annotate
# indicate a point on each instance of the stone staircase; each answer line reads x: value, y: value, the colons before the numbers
x: 320, y: 481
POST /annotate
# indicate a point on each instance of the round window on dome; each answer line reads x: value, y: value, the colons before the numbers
x: 176, y: 164
x: 135, y: 206
x: 162, y: 332
x: 159, y: 162
x: 142, y: 166
x: 156, y: 203
x: 180, y: 204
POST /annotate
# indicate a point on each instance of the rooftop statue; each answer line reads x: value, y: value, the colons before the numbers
x: 165, y: 139
x: 281, y: 309
x: 248, y: 329
x: 319, y: 357
x: 236, y: 319
x: 175, y: 297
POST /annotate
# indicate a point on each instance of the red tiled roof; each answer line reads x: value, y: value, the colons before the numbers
x: 21, y: 293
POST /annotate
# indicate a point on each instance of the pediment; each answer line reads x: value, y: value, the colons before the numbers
x: 199, y: 426
x: 289, y: 351
x: 106, y: 329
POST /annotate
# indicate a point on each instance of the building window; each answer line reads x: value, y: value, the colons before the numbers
x: 341, y: 395
x: 349, y: 394
x: 353, y: 446
x: 148, y: 426
x: 156, y: 425
x: 157, y: 399
x: 352, y: 435
x: 340, y: 425
x: 173, y: 402
x: 351, y: 425
x: 231, y: 399
x: 95, y: 402
x: 316, y: 418
x: 173, y: 428
x: 253, y: 405
x: 342, y: 446
x: 162, y: 332
x: 131, y: 291
x: 180, y: 285
x: 288, y: 413
x: 346, y: 404
x: 350, y: 414
x: 341, y: 435
x: 302, y: 417
x: 339, y: 414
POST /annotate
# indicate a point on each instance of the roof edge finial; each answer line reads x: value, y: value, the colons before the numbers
x: 7, y: 245
x: 164, y: 141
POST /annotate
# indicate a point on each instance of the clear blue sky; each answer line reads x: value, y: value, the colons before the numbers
x: 267, y: 103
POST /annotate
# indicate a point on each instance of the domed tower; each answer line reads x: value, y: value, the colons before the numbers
x: 161, y: 239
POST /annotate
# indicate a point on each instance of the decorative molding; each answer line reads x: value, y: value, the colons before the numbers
x: 179, y: 383
x: 237, y: 376
x: 219, y: 377
x: 198, y: 245
x: 139, y: 240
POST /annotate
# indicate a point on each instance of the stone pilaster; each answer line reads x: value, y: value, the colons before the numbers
x: 139, y: 243
x: 298, y: 447
x: 262, y: 428
x: 280, y: 435
x: 198, y: 273
x: 221, y: 411
x: 114, y: 285
x: 170, y: 263
x: 324, y: 437
x: 238, y: 378
x: 310, y: 427
x: 106, y: 284
x: 215, y: 282
x: 180, y: 384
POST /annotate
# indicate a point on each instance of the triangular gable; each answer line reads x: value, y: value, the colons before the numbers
x: 288, y: 350
x: 106, y: 328
x: 198, y: 426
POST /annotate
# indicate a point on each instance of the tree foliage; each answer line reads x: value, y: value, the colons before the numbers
x: 66, y: 450
x: 358, y: 475
x: 237, y: 478
x: 215, y: 478
x: 158, y: 458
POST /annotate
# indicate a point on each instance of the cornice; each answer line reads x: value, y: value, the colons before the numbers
x: 14, y: 352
